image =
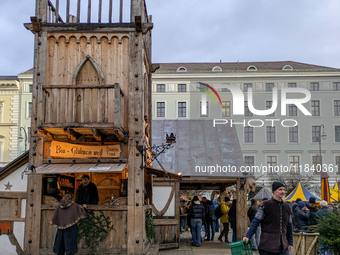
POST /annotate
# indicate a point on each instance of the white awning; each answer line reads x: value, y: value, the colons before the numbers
x: 78, y: 168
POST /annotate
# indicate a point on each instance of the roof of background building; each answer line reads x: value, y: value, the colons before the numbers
x: 8, y: 77
x: 29, y: 71
x: 241, y: 67
x: 199, y: 144
x: 14, y: 165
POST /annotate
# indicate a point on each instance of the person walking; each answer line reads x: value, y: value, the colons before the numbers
x: 197, y: 216
x: 232, y: 217
x: 217, y: 220
x: 225, y: 207
x: 294, y: 205
x: 312, y: 208
x: 302, y: 216
x: 66, y: 217
x: 209, y: 219
x: 276, y: 226
x: 255, y: 240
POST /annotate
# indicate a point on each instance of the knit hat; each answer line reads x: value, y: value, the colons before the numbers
x: 312, y: 200
x: 301, y: 204
x: 277, y: 185
x: 226, y: 199
x: 331, y: 205
x: 298, y: 199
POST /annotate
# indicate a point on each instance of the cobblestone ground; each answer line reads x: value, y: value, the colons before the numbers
x: 207, y: 247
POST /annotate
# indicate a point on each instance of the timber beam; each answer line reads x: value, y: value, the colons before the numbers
x: 96, y: 134
x: 119, y: 134
x: 46, y: 134
x: 73, y: 135
x: 36, y: 24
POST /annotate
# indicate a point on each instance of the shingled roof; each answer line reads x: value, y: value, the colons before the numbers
x: 198, y: 144
x: 242, y: 67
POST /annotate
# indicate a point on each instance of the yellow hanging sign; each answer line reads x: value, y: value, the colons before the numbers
x: 68, y: 150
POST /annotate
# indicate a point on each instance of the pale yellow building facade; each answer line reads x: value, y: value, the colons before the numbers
x: 9, y: 117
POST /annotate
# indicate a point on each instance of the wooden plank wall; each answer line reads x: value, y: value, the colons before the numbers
x: 116, y: 239
x: 66, y: 50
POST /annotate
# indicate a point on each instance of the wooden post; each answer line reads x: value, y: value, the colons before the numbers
x: 33, y: 214
x: 241, y: 211
x: 136, y: 222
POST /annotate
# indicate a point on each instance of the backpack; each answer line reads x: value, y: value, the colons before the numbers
x: 218, y: 212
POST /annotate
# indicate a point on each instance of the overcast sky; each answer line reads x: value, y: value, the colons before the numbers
x: 305, y: 31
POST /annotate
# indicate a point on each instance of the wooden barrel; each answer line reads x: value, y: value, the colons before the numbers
x: 305, y: 243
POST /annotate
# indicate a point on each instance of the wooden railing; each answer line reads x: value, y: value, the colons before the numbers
x: 84, y: 10
x: 81, y: 105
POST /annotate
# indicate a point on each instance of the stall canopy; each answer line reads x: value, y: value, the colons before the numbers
x: 78, y: 168
x: 263, y: 193
x: 300, y: 192
x: 335, y: 193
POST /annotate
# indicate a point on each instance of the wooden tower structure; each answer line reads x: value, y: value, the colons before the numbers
x: 91, y: 108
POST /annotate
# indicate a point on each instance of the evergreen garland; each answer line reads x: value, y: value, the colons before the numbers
x: 94, y: 229
x: 149, y: 225
x: 329, y: 228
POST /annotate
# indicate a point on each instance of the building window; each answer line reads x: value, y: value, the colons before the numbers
x: 160, y: 109
x: 336, y: 107
x: 315, y: 107
x: 247, y: 112
x: 292, y: 110
x: 204, y: 115
x: 269, y: 86
x: 314, y: 86
x: 315, y: 133
x: 317, y: 164
x: 182, y: 109
x: 271, y: 164
x: 160, y: 87
x: 246, y: 86
x: 201, y: 87
x: 294, y: 162
x: 182, y: 88
x: 225, y: 108
x: 249, y: 161
x: 337, y: 134
x: 271, y: 136
x: 30, y: 88
x: 268, y: 106
x: 29, y: 110
x: 337, y: 163
x: 293, y: 134
x: 248, y: 135
x: 336, y: 85
x: 225, y: 90
x: 291, y: 85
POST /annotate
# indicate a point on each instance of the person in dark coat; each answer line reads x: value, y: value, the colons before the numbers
x: 276, y: 225
x: 65, y: 217
x: 87, y: 192
x: 209, y: 220
x: 294, y: 205
x: 197, y: 217
x: 232, y: 218
x: 312, y: 208
x: 255, y: 240
x: 302, y: 216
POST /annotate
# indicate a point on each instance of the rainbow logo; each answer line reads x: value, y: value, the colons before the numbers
x: 208, y: 92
